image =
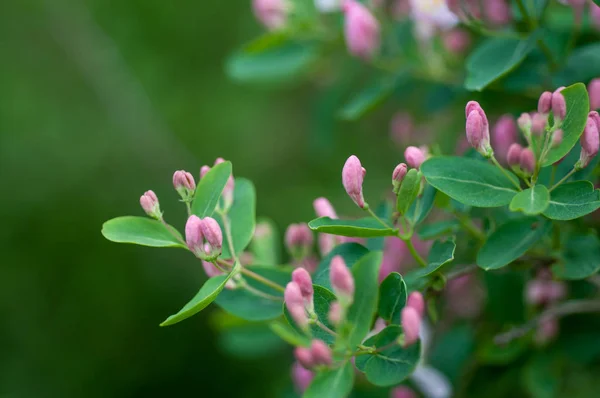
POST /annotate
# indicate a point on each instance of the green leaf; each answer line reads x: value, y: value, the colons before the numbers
x: 265, y: 247
x: 206, y: 295
x: 495, y: 58
x: 578, y: 106
x: 241, y: 216
x: 510, y: 241
x: 392, y: 365
x: 370, y: 97
x: 469, y: 181
x: 332, y: 383
x: 542, y: 375
x: 209, y: 190
x: 350, y: 252
x: 531, y: 201
x: 322, y: 300
x: 141, y: 231
x: 581, y: 65
x: 272, y: 59
x: 288, y: 334
x: 442, y: 252
x: 422, y: 206
x: 580, y: 259
x: 250, y: 306
x: 573, y: 200
x: 409, y: 189
x: 392, y: 298
x: 437, y: 229
x: 361, y: 312
x: 367, y: 227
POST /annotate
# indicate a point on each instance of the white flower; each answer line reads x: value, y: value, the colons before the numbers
x: 433, y: 12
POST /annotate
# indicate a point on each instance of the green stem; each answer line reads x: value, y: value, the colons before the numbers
x: 515, y: 183
x: 263, y: 280
x: 553, y: 175
x: 173, y: 232
x: 372, y: 213
x: 262, y: 294
x: 565, y: 178
x: 413, y: 252
x: 188, y: 206
x: 228, y: 236
x: 530, y: 21
x: 324, y: 327
x: 548, y: 54
x: 471, y: 228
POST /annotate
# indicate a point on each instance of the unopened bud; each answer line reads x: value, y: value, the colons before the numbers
x: 149, y: 203
x: 213, y: 235
x: 361, y: 30
x: 538, y: 123
x: 545, y: 102
x: 547, y: 330
x: 342, y: 280
x: 524, y: 123
x: 335, y: 313
x: 595, y: 17
x: 353, y: 175
x: 193, y: 235
x: 527, y: 161
x: 321, y: 353
x: 203, y: 170
x: 590, y: 141
x: 301, y: 377
x: 304, y: 281
x: 295, y: 304
x: 323, y: 208
x: 457, y: 41
x: 411, y: 324
x: 402, y: 392
x: 594, y: 91
x: 398, y: 175
x: 298, y: 240
x: 513, y: 157
x: 557, y: 138
x: 210, y: 269
x: 497, y: 12
x: 416, y: 301
x: 504, y: 135
x: 559, y: 106
x: 271, y: 13
x: 304, y: 357
x: 414, y: 156
x: 184, y: 184
x: 477, y: 128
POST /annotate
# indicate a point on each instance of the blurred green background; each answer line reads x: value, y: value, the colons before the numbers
x: 99, y: 101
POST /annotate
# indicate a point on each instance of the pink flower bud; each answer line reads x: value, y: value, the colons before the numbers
x: 411, y: 324
x: 524, y: 122
x: 213, y: 235
x: 559, y: 106
x: 299, y: 239
x: 545, y: 102
x: 594, y: 92
x: 416, y: 301
x: 210, y: 269
x: 203, y: 170
x: 504, y: 135
x: 546, y: 331
x: 182, y: 180
x: 595, y: 17
x: 301, y: 377
x: 321, y: 353
x: 228, y: 191
x: 271, y: 13
x: 361, y: 30
x: 589, y: 140
x: 149, y: 203
x: 497, y: 12
x: 457, y: 41
x: 395, y: 253
x: 401, y: 127
x: 353, y: 175
x: 398, y: 175
x: 335, y: 313
x: 527, y: 161
x: 402, y: 392
x: 538, y: 123
x: 323, y: 208
x: 193, y: 235
x: 295, y: 304
x: 304, y: 357
x: 304, y: 281
x: 557, y: 138
x: 477, y: 128
x: 513, y: 157
x: 326, y: 243
x: 414, y: 156
x: 342, y: 280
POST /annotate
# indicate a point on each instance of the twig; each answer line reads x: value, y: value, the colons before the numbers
x: 515, y: 183
x: 565, y: 178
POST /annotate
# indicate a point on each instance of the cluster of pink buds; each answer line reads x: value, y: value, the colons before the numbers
x: 543, y: 290
x: 521, y: 159
x: 204, y: 237
x: 478, y: 129
x: 299, y: 240
x: 361, y: 30
x: 504, y: 134
x: 184, y: 184
x: 318, y: 354
x: 271, y: 13
x: 411, y: 317
x: 493, y: 12
x: 227, y: 195
x: 298, y: 297
x: 590, y: 140
x: 149, y: 203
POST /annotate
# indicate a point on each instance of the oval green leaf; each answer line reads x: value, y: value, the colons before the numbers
x: 206, y: 295
x: 495, y: 58
x: 510, y: 241
x: 392, y: 365
x: 422, y: 206
x: 437, y: 229
x: 368, y: 98
x: 322, y: 300
x: 573, y: 200
x: 578, y: 107
x: 441, y: 253
x: 288, y: 334
x: 248, y: 305
x: 469, y: 181
x: 350, y: 252
x: 580, y: 259
x: 332, y: 383
x: 367, y: 227
x: 531, y: 201
x: 141, y: 231
x: 209, y: 190
x: 409, y: 189
x: 392, y: 298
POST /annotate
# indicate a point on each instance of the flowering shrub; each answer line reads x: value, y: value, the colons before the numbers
x: 396, y: 299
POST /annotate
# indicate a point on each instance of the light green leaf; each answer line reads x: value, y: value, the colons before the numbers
x: 422, y: 206
x: 241, y: 216
x: 332, y: 383
x: 531, y: 201
x: 437, y: 229
x: 392, y: 298
x: 289, y: 334
x: 322, y: 300
x: 367, y: 227
x: 141, y: 231
x: 441, y: 253
x: 510, y: 241
x: 370, y: 97
x: 206, y: 295
x: 495, y: 58
x: 578, y: 106
x: 363, y: 309
x: 409, y: 189
x: 581, y: 65
x: 247, y: 304
x: 469, y: 181
x: 392, y: 365
x: 573, y: 200
x: 580, y: 259
x: 542, y: 375
x: 350, y: 252
x: 265, y: 246
x: 209, y: 190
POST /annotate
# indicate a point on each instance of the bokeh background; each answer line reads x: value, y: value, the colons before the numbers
x: 99, y: 101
